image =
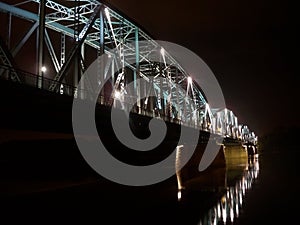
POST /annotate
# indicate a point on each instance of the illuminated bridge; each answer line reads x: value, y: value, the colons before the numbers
x: 65, y: 37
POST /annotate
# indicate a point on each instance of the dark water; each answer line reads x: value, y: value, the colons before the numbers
x: 275, y: 196
x: 264, y: 190
x: 229, y: 207
x: 268, y: 192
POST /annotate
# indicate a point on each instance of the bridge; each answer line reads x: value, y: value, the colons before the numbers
x: 69, y: 35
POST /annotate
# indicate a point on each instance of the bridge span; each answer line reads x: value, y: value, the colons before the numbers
x: 66, y: 37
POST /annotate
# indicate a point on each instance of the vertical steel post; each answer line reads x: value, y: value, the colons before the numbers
x: 191, y: 113
x: 170, y: 110
x: 63, y: 59
x: 101, y: 30
x: 9, y: 30
x: 76, y: 38
x: 8, y: 43
x: 184, y: 109
x: 62, y: 49
x: 151, y: 98
x: 41, y: 35
x: 177, y: 96
x: 113, y: 80
x: 82, y: 56
x: 136, y: 75
x: 161, y: 94
x: 101, y: 52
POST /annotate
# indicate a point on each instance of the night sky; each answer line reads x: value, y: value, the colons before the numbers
x: 251, y: 46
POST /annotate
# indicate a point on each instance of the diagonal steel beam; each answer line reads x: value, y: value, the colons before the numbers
x: 7, y: 60
x: 15, y: 50
x: 81, y: 37
x: 52, y: 52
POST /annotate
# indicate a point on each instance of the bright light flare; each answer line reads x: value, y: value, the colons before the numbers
x: 43, y: 69
x: 117, y: 94
x: 179, y: 195
x: 107, y: 13
x: 231, y: 214
x: 162, y: 52
x: 190, y: 80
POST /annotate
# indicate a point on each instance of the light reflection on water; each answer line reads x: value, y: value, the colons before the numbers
x: 228, y: 207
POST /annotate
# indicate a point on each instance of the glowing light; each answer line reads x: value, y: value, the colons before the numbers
x: 117, y: 94
x: 231, y: 214
x: 190, y: 80
x: 43, y: 69
x: 162, y: 52
x: 61, y: 89
x: 223, y: 199
x: 214, y: 219
x: 219, y: 211
x: 179, y: 150
x: 241, y: 198
x: 179, y: 195
x: 224, y: 215
x: 237, y: 209
x: 107, y: 13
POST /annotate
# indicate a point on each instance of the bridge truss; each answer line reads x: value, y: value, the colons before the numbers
x: 70, y: 35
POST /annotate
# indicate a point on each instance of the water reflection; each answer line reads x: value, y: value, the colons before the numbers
x: 229, y: 205
x: 179, y: 150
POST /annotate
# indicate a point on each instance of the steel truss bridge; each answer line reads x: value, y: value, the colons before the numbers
x: 65, y: 31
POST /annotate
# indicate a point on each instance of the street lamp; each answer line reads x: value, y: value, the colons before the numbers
x: 117, y: 94
x: 43, y: 69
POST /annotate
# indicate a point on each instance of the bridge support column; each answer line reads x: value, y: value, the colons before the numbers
x: 41, y: 35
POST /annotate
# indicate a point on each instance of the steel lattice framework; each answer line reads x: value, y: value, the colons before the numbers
x: 90, y: 24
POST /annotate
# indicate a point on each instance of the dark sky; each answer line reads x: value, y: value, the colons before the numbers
x: 251, y: 46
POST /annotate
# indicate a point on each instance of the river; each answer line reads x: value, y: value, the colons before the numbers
x: 262, y: 190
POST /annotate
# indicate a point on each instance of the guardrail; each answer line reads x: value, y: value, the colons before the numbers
x: 31, y: 79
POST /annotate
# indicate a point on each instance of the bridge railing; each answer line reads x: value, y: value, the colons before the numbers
x: 31, y: 79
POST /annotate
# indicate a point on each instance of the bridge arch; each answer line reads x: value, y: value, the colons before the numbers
x: 75, y: 33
